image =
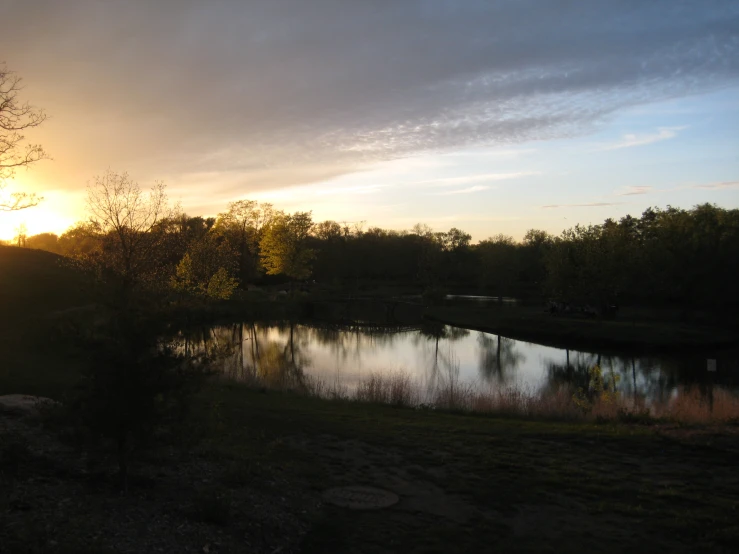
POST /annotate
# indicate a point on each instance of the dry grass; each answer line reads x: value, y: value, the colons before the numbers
x: 688, y: 405
x: 397, y: 389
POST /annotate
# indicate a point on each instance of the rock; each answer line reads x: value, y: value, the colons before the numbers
x: 22, y: 404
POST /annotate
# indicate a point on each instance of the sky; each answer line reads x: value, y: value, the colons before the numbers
x: 490, y: 116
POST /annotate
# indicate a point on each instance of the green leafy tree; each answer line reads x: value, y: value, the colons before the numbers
x: 243, y: 225
x: 285, y: 245
x: 208, y: 268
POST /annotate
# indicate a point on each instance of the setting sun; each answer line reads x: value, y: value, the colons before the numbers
x: 58, y: 211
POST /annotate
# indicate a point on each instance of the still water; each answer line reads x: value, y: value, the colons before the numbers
x: 435, y: 353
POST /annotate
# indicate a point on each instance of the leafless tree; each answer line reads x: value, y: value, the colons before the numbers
x: 16, y: 117
x: 127, y: 218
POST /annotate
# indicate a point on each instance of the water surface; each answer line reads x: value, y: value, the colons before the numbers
x: 435, y: 354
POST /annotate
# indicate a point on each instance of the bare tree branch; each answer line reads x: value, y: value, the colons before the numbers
x: 15, y: 117
x: 129, y: 217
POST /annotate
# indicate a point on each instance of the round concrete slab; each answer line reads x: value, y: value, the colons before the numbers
x: 357, y: 497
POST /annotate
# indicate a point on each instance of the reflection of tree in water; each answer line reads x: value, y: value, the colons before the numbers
x: 575, y: 371
x: 444, y: 363
x: 246, y: 351
x: 649, y: 378
x: 652, y: 378
x: 349, y: 340
x: 282, y: 365
x: 498, y: 357
x: 432, y: 331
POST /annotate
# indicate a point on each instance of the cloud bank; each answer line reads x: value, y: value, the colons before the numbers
x: 264, y: 94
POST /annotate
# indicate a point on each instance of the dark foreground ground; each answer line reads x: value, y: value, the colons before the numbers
x: 253, y: 483
x: 250, y: 474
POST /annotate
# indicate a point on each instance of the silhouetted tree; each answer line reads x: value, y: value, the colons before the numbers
x: 16, y: 117
x: 129, y: 224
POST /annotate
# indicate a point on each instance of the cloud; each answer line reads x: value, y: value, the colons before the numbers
x: 477, y: 188
x: 633, y: 191
x: 359, y: 189
x: 480, y: 177
x: 273, y: 93
x: 631, y: 140
x: 718, y: 186
x: 591, y: 205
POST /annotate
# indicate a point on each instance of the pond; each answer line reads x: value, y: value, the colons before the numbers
x: 435, y: 354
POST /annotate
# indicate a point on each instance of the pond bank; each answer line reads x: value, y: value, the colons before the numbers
x: 625, y: 331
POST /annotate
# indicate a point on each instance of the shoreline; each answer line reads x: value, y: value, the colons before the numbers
x: 562, y: 332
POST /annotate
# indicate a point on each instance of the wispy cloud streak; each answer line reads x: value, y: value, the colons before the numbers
x: 631, y: 140
x: 470, y: 190
x: 719, y: 186
x: 478, y: 178
x: 635, y: 191
x: 590, y: 205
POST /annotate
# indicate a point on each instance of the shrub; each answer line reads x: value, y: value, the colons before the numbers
x: 133, y: 388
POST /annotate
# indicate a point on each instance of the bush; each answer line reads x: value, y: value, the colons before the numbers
x: 135, y: 387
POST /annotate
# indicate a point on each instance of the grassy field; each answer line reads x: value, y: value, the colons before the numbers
x: 476, y: 484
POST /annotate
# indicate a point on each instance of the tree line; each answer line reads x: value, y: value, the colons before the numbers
x: 665, y: 256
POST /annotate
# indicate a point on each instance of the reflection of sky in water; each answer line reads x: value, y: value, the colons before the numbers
x: 431, y: 356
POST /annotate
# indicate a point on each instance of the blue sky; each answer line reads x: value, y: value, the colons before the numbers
x: 680, y: 152
x: 469, y: 114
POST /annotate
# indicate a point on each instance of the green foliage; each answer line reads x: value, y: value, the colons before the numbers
x: 207, y: 268
x: 243, y: 226
x: 665, y: 257
x: 284, y: 246
x: 221, y: 286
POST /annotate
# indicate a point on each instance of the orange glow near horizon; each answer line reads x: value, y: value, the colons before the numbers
x: 57, y: 212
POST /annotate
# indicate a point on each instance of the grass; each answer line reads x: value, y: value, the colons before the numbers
x: 688, y: 406
x: 469, y: 484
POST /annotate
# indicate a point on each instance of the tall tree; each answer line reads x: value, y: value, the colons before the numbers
x: 16, y: 117
x: 243, y: 225
x: 500, y: 263
x: 285, y: 247
x: 127, y: 221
